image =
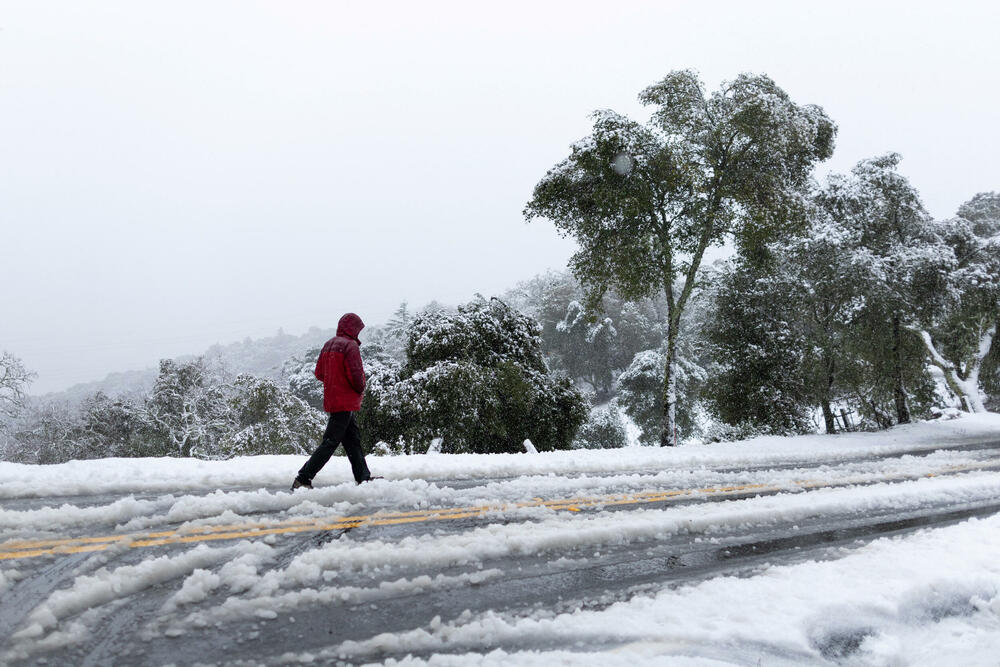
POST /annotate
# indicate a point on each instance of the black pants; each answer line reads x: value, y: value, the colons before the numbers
x: 342, y: 428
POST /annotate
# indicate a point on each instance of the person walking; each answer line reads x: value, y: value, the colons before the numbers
x: 340, y: 370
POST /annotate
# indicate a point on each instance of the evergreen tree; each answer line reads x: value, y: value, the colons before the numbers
x: 645, y: 201
x: 819, y: 278
x: 759, y: 347
x: 188, y: 408
x: 639, y: 385
x: 895, y: 241
x: 475, y: 378
x: 399, y: 322
x: 960, y: 301
x: 267, y: 419
x: 604, y: 429
x: 115, y: 427
x: 299, y: 375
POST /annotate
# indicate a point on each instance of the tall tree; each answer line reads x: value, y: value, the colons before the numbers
x: 960, y: 304
x: 759, y: 344
x: 645, y: 200
x: 896, y: 241
x: 821, y: 276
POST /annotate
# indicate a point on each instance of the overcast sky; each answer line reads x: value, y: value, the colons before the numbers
x: 174, y: 174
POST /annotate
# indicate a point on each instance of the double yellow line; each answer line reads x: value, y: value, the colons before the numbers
x: 74, y: 545
x: 191, y: 534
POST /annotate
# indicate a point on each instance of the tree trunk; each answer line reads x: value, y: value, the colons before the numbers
x: 668, y: 436
x: 966, y: 389
x: 902, y: 411
x: 828, y: 418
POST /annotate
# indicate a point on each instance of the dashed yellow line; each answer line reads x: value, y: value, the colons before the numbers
x: 74, y: 545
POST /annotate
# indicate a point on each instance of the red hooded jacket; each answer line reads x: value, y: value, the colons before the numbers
x: 339, y: 367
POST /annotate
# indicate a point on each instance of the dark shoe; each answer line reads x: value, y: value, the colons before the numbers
x: 370, y: 479
x: 298, y: 482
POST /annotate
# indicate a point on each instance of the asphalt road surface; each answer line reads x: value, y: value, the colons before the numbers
x: 279, y: 575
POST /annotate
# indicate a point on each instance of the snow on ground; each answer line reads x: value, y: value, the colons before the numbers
x: 307, y: 579
x: 170, y: 475
x: 903, y: 601
x: 929, y: 599
x: 514, y: 478
x: 221, y: 507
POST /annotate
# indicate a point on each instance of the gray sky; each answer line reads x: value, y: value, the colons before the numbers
x: 174, y: 174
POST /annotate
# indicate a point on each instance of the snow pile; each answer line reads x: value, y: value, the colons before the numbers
x: 7, y: 577
x: 315, y: 576
x: 171, y: 475
x: 906, y: 601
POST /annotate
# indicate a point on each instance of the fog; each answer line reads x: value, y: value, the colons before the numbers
x: 176, y: 174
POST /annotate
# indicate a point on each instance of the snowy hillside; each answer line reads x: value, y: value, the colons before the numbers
x: 867, y: 549
x: 262, y: 357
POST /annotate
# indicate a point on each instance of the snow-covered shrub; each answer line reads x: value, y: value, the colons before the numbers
x: 717, y: 431
x: 758, y: 348
x: 298, y: 373
x: 475, y: 378
x: 383, y: 416
x: 640, y: 393
x: 604, y: 429
x: 267, y: 419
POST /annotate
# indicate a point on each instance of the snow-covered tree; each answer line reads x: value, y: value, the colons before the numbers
x: 960, y: 309
x: 14, y: 381
x: 639, y: 385
x: 43, y: 433
x: 115, y: 426
x: 399, y: 322
x: 758, y: 344
x: 588, y: 348
x: 604, y: 429
x: 639, y: 391
x: 645, y: 201
x: 268, y: 419
x: 818, y: 281
x: 188, y: 408
x: 299, y: 374
x: 896, y: 241
x: 592, y: 347
x: 475, y: 378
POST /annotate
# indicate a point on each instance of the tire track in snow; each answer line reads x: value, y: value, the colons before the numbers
x: 255, y: 530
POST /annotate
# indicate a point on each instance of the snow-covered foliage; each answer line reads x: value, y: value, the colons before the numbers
x: 831, y: 314
x: 604, y: 429
x: 591, y: 346
x: 299, y: 375
x: 734, y: 163
x: 757, y: 381
x: 188, y: 407
x: 14, y: 381
x: 475, y: 378
x: 268, y: 419
x: 958, y: 326
x: 194, y: 410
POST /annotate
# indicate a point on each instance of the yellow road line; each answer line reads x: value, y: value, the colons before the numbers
x: 72, y: 545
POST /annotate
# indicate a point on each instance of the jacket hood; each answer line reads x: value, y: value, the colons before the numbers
x: 350, y: 325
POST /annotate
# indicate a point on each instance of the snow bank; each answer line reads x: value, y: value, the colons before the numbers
x: 554, y: 532
x: 932, y: 598
x: 169, y: 475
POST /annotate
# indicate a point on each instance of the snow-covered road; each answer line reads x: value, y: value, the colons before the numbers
x: 866, y: 548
